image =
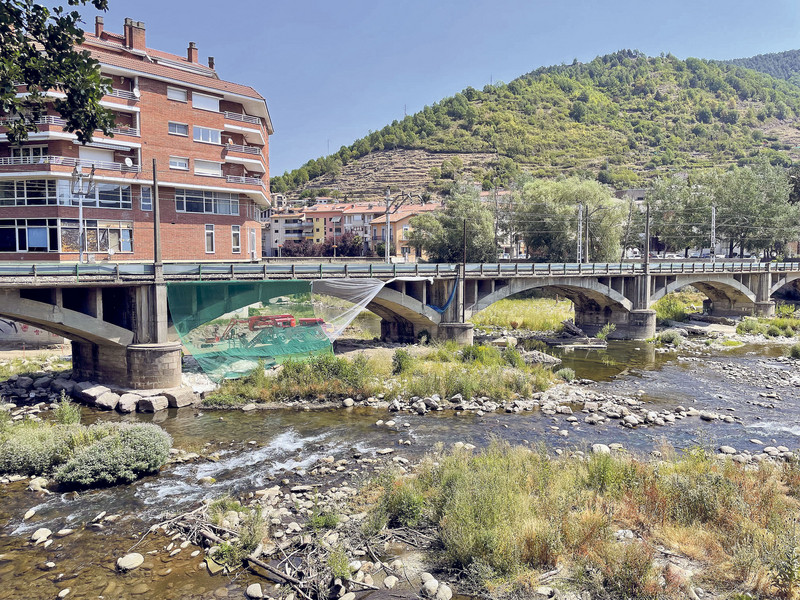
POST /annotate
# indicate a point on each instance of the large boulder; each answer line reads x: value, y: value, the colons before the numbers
x: 128, y: 402
x: 89, y: 392
x: 107, y: 401
x: 180, y: 397
x: 59, y: 384
x: 43, y: 382
x: 153, y: 404
x: 25, y: 383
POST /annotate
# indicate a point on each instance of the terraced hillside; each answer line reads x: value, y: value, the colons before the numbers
x: 622, y: 118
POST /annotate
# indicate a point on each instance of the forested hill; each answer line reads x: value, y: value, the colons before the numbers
x: 783, y: 65
x: 620, y: 118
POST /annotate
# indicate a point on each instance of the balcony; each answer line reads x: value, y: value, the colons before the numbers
x: 124, y: 94
x: 244, y: 179
x: 242, y: 117
x: 255, y: 150
x: 58, y: 121
x: 69, y: 161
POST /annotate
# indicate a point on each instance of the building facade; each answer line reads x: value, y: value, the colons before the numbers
x: 210, y: 142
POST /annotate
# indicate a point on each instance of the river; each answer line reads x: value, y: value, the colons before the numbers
x: 255, y: 448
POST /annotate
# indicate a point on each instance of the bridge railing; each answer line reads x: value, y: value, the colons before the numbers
x: 198, y: 271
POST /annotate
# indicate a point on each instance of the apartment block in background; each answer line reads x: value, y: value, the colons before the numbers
x: 210, y: 139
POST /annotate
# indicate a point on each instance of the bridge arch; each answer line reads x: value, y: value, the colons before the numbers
x: 726, y: 294
x: 783, y: 282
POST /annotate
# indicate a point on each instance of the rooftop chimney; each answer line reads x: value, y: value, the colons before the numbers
x: 191, y: 53
x: 210, y: 62
x: 98, y: 26
x: 134, y: 34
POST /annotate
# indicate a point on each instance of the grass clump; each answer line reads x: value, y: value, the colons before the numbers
x: 670, y: 338
x: 66, y: 412
x: 401, y: 361
x: 124, y: 456
x: 322, y: 375
x: 677, y: 306
x: 607, y: 329
x: 533, y: 314
x: 510, y: 512
x: 794, y: 351
x: 566, y: 374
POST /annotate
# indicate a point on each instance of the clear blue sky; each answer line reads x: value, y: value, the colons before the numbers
x: 332, y: 71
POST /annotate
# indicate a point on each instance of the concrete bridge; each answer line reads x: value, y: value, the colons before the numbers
x: 117, y: 314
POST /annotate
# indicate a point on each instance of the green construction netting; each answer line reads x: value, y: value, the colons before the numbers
x: 228, y: 327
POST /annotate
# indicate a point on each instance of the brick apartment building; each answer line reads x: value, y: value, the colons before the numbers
x: 211, y: 141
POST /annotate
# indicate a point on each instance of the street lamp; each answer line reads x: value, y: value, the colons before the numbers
x: 393, y: 205
x: 81, y: 191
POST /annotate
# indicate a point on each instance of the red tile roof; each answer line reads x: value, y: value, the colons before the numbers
x: 111, y: 53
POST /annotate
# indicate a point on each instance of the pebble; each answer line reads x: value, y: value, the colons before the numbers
x: 29, y: 514
x: 130, y: 561
x: 254, y: 591
x: 390, y: 581
x: 41, y: 535
x: 63, y: 593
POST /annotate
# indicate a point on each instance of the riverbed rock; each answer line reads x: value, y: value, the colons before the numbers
x: 390, y: 581
x: 107, y: 401
x: 130, y: 561
x: 600, y: 449
x: 180, y: 397
x: 254, y: 591
x: 64, y: 593
x: 348, y: 402
x: 91, y: 392
x: 41, y: 535
x: 128, y: 403
x: 429, y: 588
x: 153, y: 404
x: 727, y: 450
x: 59, y: 384
x: 43, y: 382
x: 25, y: 383
x: 38, y: 484
x: 443, y: 592
x: 29, y: 514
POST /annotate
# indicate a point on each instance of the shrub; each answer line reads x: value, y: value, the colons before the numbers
x: 566, y: 374
x: 323, y: 520
x: 401, y: 361
x: 670, y: 308
x: 785, y: 310
x: 605, y: 331
x: 794, y: 351
x: 672, y: 338
x: 124, y: 456
x: 786, y: 571
x: 403, y: 505
x: 338, y: 563
x: 66, y: 412
x: 749, y: 326
x: 773, y: 331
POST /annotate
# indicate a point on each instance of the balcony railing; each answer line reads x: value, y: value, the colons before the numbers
x: 242, y: 179
x: 244, y: 149
x: 123, y: 94
x: 53, y: 120
x: 241, y: 117
x: 69, y: 162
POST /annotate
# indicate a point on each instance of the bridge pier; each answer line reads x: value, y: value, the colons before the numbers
x: 731, y: 308
x: 629, y: 325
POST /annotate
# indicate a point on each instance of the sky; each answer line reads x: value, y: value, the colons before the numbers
x: 332, y: 71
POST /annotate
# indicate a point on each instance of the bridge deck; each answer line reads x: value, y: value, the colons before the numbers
x: 49, y: 274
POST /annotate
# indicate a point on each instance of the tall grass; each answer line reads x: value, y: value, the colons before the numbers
x: 324, y: 375
x: 534, y: 314
x: 514, y: 510
x: 678, y: 306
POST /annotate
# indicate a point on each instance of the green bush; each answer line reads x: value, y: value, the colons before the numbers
x: 785, y: 310
x: 404, y: 505
x: 794, y: 351
x: 670, y: 308
x: 401, y: 361
x: 566, y: 374
x: 607, y: 329
x: 66, y: 412
x: 133, y: 451
x: 773, y: 331
x: 749, y: 326
x: 672, y: 338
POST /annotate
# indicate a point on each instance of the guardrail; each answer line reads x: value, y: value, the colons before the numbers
x: 243, y: 149
x: 123, y: 94
x: 242, y: 117
x: 243, y: 179
x: 53, y: 120
x: 67, y: 161
x: 48, y: 273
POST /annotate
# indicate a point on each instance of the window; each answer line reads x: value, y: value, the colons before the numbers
x: 206, y: 135
x: 176, y: 94
x: 200, y: 201
x: 29, y: 235
x: 112, y: 195
x: 145, y: 198
x: 178, y: 162
x: 29, y: 192
x: 101, y: 236
x: 179, y: 129
x: 209, y: 239
x: 207, y: 167
x: 236, y: 239
x: 29, y: 154
x: 204, y: 102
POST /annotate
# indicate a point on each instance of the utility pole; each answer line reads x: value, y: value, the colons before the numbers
x: 627, y: 231
x: 156, y: 218
x: 463, y: 282
x: 647, y: 240
x: 579, y: 255
x: 496, y: 216
x: 81, y: 192
x: 713, y: 252
x: 388, y: 227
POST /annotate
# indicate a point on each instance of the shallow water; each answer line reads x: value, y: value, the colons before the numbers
x: 256, y: 447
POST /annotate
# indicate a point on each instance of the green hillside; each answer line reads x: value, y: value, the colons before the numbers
x: 782, y: 65
x: 620, y: 118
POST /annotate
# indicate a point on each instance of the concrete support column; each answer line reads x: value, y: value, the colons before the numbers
x: 151, y: 314
x: 151, y: 366
x: 461, y: 333
x: 637, y: 324
x: 94, y: 302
